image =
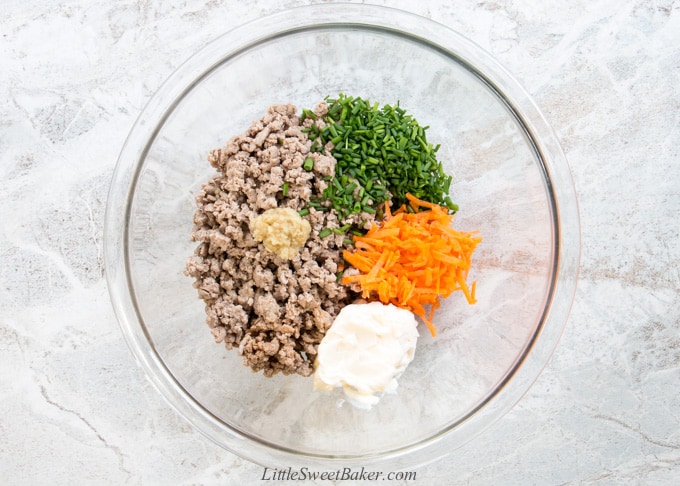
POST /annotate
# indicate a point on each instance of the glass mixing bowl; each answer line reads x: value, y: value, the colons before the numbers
x: 510, y: 180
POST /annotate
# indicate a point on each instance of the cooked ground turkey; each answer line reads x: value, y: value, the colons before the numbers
x: 274, y: 311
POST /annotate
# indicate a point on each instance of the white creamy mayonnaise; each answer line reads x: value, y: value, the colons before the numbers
x: 365, y: 351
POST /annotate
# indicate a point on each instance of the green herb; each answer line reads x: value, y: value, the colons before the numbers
x: 325, y: 232
x: 308, y: 164
x: 382, y: 154
x: 304, y: 212
x: 285, y: 189
x: 307, y: 114
x: 342, y: 230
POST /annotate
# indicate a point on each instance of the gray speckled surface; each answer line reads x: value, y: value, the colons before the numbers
x: 74, y: 78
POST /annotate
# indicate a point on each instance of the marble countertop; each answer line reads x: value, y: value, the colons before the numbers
x: 76, y: 409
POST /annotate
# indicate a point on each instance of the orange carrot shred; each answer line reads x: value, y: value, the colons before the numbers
x: 413, y: 259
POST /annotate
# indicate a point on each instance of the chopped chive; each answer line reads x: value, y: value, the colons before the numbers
x: 307, y: 114
x: 308, y: 164
x: 325, y: 232
x: 385, y: 150
x: 303, y: 212
x: 285, y: 189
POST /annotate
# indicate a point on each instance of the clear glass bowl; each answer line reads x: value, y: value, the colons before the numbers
x: 511, y: 181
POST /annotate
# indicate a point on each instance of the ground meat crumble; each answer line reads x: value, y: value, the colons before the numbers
x: 274, y: 311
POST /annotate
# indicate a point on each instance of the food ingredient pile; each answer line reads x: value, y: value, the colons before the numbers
x: 308, y: 213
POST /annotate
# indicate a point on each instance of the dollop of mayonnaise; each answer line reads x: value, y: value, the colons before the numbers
x: 365, y: 351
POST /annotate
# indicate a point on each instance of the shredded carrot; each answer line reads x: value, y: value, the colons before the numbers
x: 412, y: 260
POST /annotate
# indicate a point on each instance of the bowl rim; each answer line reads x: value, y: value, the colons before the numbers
x: 559, y: 184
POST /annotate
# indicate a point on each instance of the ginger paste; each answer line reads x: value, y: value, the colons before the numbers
x: 282, y: 231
